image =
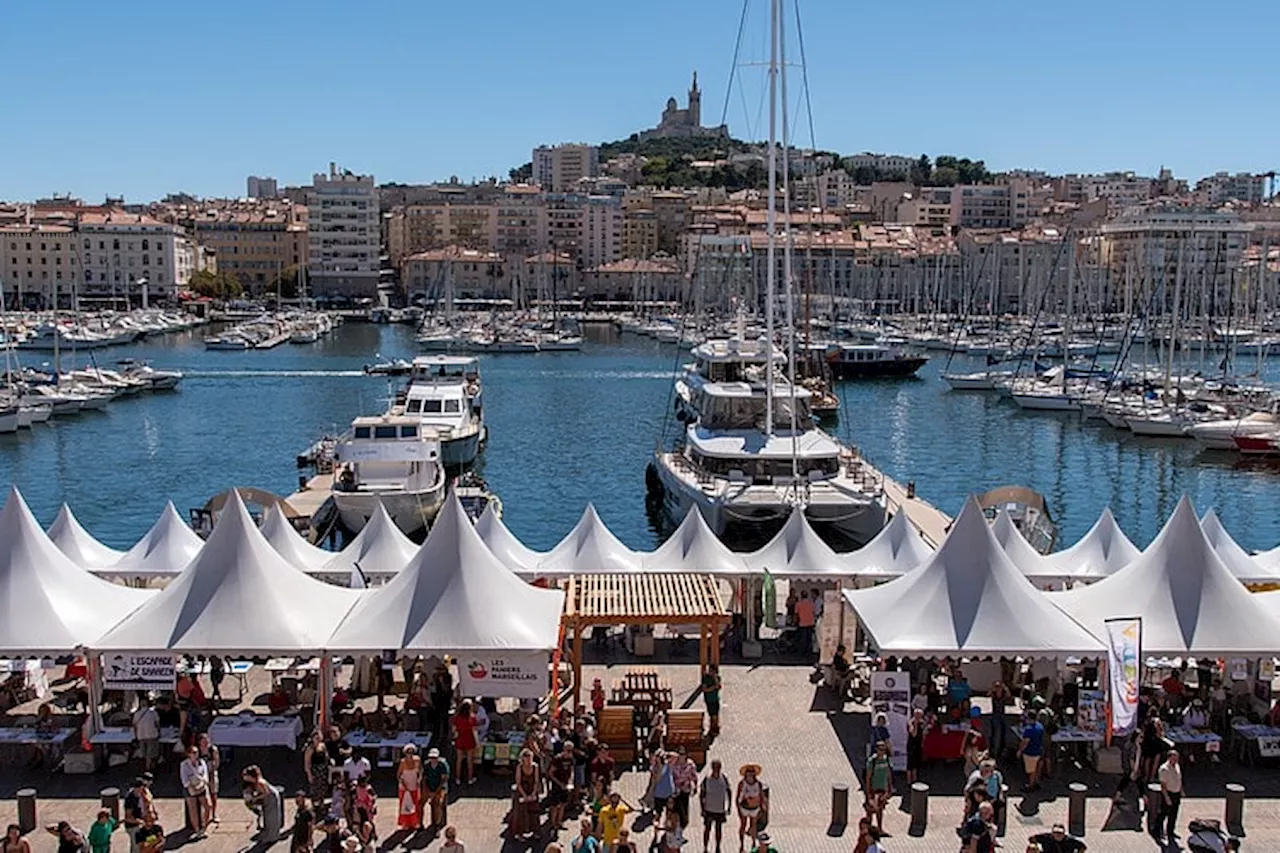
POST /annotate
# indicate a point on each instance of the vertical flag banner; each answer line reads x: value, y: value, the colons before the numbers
x: 1124, y: 669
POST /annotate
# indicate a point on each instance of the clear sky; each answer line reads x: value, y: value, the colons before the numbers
x: 142, y: 98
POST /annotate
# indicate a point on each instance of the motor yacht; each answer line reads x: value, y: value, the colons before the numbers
x: 1221, y: 435
x: 393, y: 460
x: 872, y: 361
x: 444, y: 394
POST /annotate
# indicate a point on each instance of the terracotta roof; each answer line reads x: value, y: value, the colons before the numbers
x: 456, y: 253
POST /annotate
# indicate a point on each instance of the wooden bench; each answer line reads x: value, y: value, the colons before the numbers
x: 684, y: 729
x: 616, y: 732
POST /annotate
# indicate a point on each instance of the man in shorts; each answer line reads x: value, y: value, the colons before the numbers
x: 146, y: 731
x: 714, y: 798
x: 435, y: 776
x: 1032, y: 750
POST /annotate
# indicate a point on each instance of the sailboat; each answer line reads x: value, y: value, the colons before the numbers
x: 749, y: 452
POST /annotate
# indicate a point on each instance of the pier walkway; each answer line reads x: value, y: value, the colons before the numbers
x: 932, y: 522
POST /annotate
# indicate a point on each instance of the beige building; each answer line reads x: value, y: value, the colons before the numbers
x: 558, y: 168
x: 631, y: 280
x: 927, y: 207
x: 255, y: 241
x: 133, y: 256
x: 1150, y: 245
x: 639, y: 233
x: 991, y: 205
x: 474, y: 273
x: 38, y: 261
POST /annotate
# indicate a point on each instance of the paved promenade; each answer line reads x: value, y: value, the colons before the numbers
x: 772, y: 716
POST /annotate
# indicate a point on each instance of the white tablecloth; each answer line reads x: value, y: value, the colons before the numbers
x: 256, y: 731
x: 123, y: 735
x: 363, y: 740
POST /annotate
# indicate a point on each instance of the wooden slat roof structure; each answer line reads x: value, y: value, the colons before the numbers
x: 643, y: 598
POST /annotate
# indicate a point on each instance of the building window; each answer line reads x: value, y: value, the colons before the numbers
x: 146, y: 244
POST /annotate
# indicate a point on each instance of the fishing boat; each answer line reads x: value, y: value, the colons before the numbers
x: 872, y: 361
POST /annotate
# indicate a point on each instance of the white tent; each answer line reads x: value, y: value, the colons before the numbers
x: 379, y: 550
x: 164, y: 551
x: 589, y: 548
x: 1030, y: 561
x: 797, y: 551
x: 895, y: 550
x: 1101, y: 552
x: 1189, y: 601
x: 505, y: 546
x: 288, y: 542
x: 74, y: 541
x: 48, y: 604
x: 237, y: 597
x: 1237, y: 560
x: 968, y: 599
x: 453, y: 596
x: 694, y: 547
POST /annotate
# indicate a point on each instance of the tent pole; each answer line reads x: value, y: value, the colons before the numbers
x: 577, y: 657
x: 93, y: 685
x: 324, y: 692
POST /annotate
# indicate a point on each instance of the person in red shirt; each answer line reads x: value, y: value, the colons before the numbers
x: 464, y: 741
x: 597, y: 697
x: 805, y: 619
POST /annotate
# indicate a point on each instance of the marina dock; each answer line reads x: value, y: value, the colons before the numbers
x: 932, y: 522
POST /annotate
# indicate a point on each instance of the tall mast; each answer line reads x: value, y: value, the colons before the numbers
x: 788, y: 277
x: 771, y: 273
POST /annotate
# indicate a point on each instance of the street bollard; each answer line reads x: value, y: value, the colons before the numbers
x: 919, y: 808
x: 111, y: 802
x: 26, y: 810
x: 1076, y: 807
x: 1235, y: 809
x: 839, y: 805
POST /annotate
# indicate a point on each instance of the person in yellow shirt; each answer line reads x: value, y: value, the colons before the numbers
x: 613, y: 816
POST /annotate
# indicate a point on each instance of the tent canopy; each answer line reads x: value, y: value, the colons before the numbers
x: 694, y: 547
x: 164, y: 551
x: 1028, y: 560
x: 589, y: 548
x: 48, y: 604
x: 74, y: 541
x: 797, y: 551
x: 1236, y: 559
x: 453, y: 596
x: 1101, y: 552
x: 280, y: 533
x: 238, y: 596
x: 968, y: 598
x: 379, y: 550
x: 505, y: 546
x: 895, y: 550
x: 1189, y: 601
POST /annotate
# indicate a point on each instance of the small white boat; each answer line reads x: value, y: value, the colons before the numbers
x: 393, y: 461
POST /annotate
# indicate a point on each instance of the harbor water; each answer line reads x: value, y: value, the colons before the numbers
x: 572, y: 427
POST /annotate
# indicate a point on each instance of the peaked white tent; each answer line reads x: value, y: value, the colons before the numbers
x: 238, y: 596
x: 970, y: 599
x: 1030, y: 561
x: 289, y: 543
x: 895, y: 550
x: 797, y: 551
x: 1101, y: 552
x: 379, y: 550
x: 1189, y: 601
x: 74, y: 541
x: 164, y: 551
x: 505, y: 546
x: 694, y: 547
x: 453, y: 596
x: 589, y: 548
x: 48, y: 604
x: 1244, y: 567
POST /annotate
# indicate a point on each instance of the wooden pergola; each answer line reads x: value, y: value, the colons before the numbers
x: 685, y: 598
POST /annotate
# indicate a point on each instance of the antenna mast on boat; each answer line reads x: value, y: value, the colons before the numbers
x: 771, y: 273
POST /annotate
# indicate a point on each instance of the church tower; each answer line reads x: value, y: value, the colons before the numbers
x: 695, y: 103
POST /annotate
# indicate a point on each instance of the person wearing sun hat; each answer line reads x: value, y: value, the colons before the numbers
x: 751, y: 798
x: 436, y: 783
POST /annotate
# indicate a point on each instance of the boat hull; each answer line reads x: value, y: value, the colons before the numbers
x: 411, y: 511
x: 461, y: 451
x: 1047, y: 402
x: 1172, y: 428
x: 880, y: 369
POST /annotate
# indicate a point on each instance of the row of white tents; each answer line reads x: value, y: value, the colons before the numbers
x: 259, y: 590
x: 240, y: 596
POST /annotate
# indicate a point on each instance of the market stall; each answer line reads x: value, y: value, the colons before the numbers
x: 279, y: 531
x: 74, y: 541
x: 513, y: 553
x: 163, y: 551
x: 379, y: 551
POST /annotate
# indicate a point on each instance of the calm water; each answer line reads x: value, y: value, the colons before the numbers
x: 567, y: 428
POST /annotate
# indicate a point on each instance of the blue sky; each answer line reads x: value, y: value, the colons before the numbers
x: 142, y: 98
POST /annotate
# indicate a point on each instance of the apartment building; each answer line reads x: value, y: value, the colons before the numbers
x: 256, y: 241
x: 884, y: 163
x: 558, y: 168
x: 1004, y: 205
x: 261, y: 188
x: 927, y: 207
x: 639, y: 233
x: 343, y: 234
x: 1151, y: 244
x: 1221, y: 188
x: 38, y: 261
x: 474, y: 273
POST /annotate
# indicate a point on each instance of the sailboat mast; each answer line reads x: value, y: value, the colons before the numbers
x: 788, y: 279
x: 771, y: 273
